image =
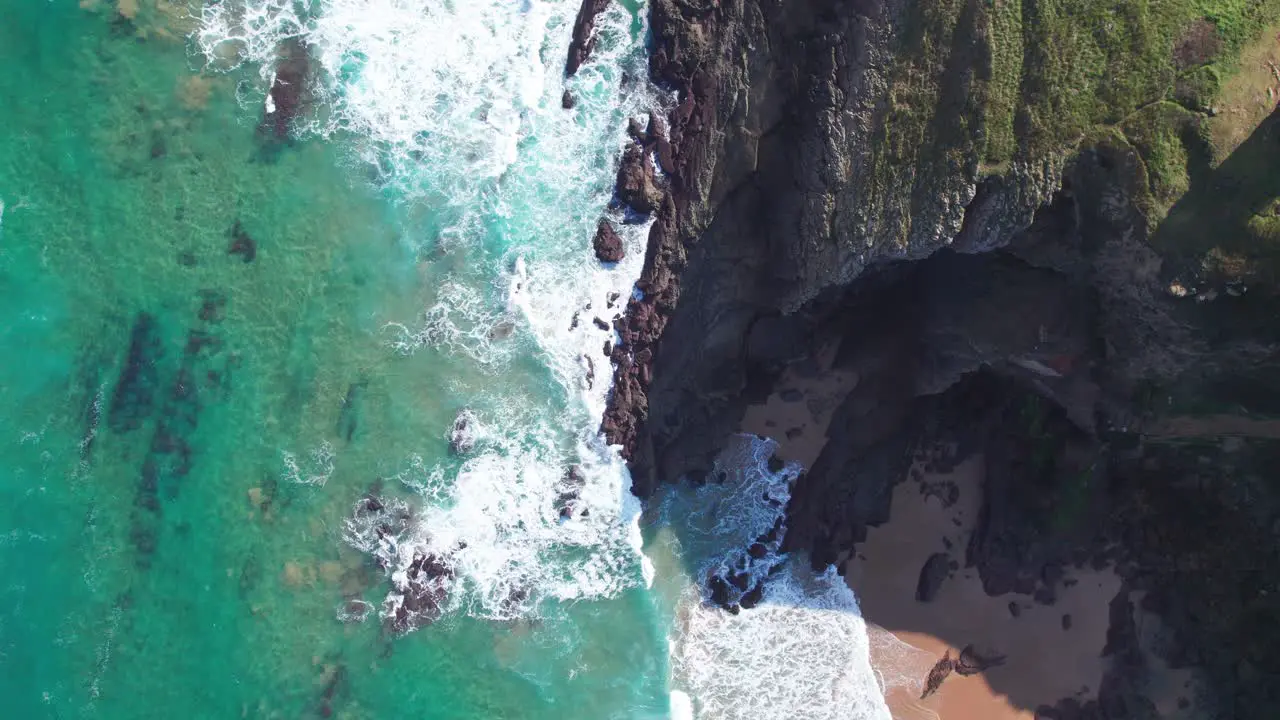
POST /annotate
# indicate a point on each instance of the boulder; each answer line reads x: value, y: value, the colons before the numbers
x: 931, y: 576
x: 636, y: 185
x: 462, y: 436
x: 607, y: 244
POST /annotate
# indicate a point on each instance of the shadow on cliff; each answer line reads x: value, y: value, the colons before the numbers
x: 1011, y: 357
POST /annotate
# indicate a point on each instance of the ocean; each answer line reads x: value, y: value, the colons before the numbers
x: 253, y: 384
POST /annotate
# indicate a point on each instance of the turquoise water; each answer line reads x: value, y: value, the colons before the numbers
x: 189, y: 431
x: 160, y: 557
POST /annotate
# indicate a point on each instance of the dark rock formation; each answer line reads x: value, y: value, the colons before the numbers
x: 972, y: 662
x: 940, y: 671
x: 290, y: 93
x: 718, y: 590
x: 419, y: 594
x: 607, y: 244
x: 462, y: 436
x: 820, y: 157
x: 584, y: 34
x: 567, y: 101
x: 637, y: 185
x: 569, y: 493
x: 932, y: 574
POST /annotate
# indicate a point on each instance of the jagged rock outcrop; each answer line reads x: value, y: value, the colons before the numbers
x: 584, y: 35
x: 606, y: 243
x: 813, y: 142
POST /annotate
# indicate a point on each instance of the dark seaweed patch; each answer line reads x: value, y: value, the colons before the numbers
x: 171, y: 456
x: 250, y: 575
x: 213, y: 305
x: 91, y: 416
x: 242, y: 244
x: 335, y: 686
x: 132, y: 400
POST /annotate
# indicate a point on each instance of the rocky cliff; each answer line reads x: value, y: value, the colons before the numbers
x: 1103, y: 180
x: 814, y: 141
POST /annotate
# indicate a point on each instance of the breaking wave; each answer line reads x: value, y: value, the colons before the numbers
x: 802, y: 650
x: 457, y: 106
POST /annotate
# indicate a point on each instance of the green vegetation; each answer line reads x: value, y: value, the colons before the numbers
x: 989, y: 83
x: 1157, y: 131
x: 1003, y: 100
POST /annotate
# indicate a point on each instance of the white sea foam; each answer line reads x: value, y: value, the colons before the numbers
x: 498, y: 524
x: 461, y: 320
x: 458, y: 107
x: 681, y: 706
x: 318, y: 469
x: 803, y: 651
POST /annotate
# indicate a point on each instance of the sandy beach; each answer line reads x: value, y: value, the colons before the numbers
x: 1047, y: 652
x: 1050, y: 651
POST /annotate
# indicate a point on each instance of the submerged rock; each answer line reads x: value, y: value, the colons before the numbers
x: 290, y: 94
x: 354, y: 611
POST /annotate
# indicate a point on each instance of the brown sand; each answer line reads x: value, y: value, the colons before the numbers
x: 1044, y: 662
x: 798, y: 413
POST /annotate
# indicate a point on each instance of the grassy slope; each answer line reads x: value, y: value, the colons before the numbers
x: 1008, y: 80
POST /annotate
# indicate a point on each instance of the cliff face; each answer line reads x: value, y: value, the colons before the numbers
x: 1102, y: 178
x: 816, y: 141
